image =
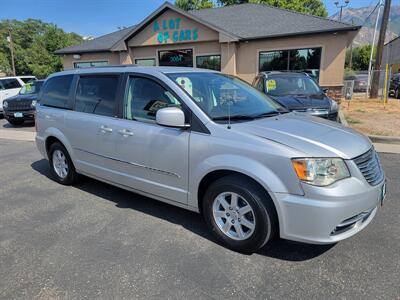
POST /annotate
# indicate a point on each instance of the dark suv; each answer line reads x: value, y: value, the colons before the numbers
x: 297, y: 92
x: 395, y: 86
x: 21, y: 108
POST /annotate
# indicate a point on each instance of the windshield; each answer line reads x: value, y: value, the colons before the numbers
x: 31, y: 88
x: 279, y: 85
x: 223, y: 96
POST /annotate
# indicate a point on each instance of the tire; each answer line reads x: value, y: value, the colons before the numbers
x: 68, y: 175
x: 16, y: 122
x: 239, y: 237
x: 397, y: 94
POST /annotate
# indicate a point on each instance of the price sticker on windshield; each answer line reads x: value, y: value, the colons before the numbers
x: 271, y: 85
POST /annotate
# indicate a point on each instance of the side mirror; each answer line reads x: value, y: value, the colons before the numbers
x: 325, y: 90
x: 171, y: 117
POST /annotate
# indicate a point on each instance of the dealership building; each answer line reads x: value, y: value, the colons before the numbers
x: 241, y: 40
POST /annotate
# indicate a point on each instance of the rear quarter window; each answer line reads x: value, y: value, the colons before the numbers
x: 9, y: 84
x: 56, y: 91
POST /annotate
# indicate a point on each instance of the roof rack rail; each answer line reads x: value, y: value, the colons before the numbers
x: 114, y: 66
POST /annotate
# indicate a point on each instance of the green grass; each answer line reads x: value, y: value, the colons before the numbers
x: 350, y: 120
x: 361, y: 110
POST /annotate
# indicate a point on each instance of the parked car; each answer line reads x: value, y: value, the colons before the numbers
x: 360, y: 82
x: 21, y: 108
x: 10, y: 86
x: 395, y: 86
x: 297, y: 92
x: 211, y: 143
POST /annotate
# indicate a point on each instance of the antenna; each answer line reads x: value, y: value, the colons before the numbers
x: 229, y: 114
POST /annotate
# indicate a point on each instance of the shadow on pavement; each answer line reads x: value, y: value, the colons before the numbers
x: 279, y: 249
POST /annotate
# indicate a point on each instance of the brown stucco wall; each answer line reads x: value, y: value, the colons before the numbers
x: 113, y: 58
x: 332, y: 60
x: 199, y: 48
x: 148, y: 36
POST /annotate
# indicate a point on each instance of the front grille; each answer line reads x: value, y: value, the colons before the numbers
x: 370, y: 167
x: 19, y: 105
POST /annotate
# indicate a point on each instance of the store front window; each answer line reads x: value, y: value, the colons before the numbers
x: 212, y: 62
x: 177, y: 58
x: 307, y: 60
x: 88, y: 64
x: 147, y: 62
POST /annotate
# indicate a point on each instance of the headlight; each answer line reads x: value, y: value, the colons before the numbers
x: 34, y: 102
x: 5, y: 104
x: 334, y: 106
x: 320, y: 171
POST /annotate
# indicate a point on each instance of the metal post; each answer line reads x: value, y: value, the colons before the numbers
x: 372, y: 48
x: 9, y: 39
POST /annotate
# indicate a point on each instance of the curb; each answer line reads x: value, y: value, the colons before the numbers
x: 342, y: 119
x: 385, y: 139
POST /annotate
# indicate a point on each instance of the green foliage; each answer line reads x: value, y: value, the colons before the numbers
x: 311, y: 7
x: 349, y: 72
x: 34, y: 45
x: 193, y: 4
x: 360, y: 60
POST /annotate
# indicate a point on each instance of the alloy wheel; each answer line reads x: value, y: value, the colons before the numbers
x: 234, y: 216
x: 60, y: 164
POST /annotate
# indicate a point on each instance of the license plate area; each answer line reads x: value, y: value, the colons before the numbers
x: 18, y: 115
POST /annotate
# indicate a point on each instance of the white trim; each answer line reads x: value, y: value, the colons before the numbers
x: 322, y: 46
x: 89, y: 61
x: 145, y: 57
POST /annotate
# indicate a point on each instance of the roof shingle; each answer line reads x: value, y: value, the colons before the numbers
x: 245, y: 21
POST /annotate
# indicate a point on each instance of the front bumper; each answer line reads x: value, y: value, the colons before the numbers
x: 327, y: 215
x: 27, y: 115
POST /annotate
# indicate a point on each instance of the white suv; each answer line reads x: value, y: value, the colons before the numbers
x: 10, y: 86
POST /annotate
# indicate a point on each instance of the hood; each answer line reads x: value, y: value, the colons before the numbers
x: 312, y: 136
x: 29, y: 97
x: 299, y: 102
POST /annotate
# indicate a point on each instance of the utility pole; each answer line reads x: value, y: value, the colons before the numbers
x: 346, y: 2
x: 379, y: 50
x: 351, y: 49
x: 372, y: 49
x: 9, y: 39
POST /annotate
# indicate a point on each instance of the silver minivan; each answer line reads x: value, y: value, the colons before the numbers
x: 211, y: 143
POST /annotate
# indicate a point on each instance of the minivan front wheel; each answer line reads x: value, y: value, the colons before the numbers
x: 240, y: 213
x: 61, y: 165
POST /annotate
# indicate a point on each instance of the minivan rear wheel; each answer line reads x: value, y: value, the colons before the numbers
x: 61, y: 165
x: 240, y: 213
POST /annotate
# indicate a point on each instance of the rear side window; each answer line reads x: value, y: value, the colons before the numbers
x: 27, y: 79
x: 8, y: 84
x: 56, y: 91
x: 96, y: 95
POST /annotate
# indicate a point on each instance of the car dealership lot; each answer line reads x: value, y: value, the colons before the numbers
x: 97, y: 241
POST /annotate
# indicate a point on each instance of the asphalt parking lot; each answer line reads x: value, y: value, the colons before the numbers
x: 97, y: 241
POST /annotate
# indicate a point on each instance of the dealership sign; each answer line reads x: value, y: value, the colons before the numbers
x: 169, y: 30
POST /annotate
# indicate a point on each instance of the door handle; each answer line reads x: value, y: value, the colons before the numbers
x: 125, y: 132
x: 105, y: 129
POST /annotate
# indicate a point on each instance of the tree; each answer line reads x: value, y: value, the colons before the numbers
x: 34, y: 45
x: 193, y: 4
x: 360, y: 57
x: 311, y: 7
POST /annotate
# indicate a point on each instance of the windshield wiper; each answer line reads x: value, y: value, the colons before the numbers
x: 234, y: 118
x: 267, y: 114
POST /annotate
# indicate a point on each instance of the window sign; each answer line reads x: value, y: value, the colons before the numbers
x: 169, y: 30
x: 180, y: 58
x: 271, y: 85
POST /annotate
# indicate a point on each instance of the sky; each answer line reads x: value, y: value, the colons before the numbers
x: 98, y: 17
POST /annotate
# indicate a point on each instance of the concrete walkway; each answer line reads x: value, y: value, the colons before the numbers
x: 19, y: 135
